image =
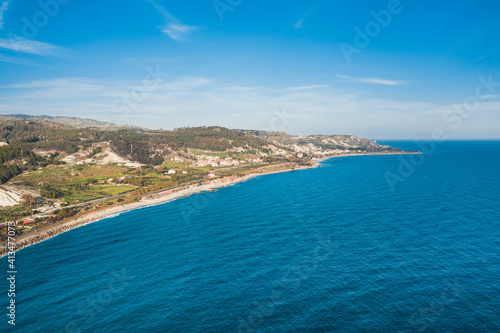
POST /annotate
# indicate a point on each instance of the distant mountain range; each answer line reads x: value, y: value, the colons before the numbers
x: 71, y: 134
x: 69, y: 121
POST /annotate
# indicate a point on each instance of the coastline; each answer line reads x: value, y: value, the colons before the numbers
x: 39, y: 236
x: 36, y: 237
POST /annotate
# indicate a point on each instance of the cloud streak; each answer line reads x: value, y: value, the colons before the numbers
x: 298, y: 24
x: 311, y: 87
x: 24, y: 45
x: 12, y: 60
x: 3, y: 8
x: 371, y: 80
x: 490, y: 97
x: 174, y: 28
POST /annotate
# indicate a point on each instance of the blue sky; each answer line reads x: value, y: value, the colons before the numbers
x: 376, y: 69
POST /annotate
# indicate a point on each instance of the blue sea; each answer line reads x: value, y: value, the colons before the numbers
x: 360, y: 244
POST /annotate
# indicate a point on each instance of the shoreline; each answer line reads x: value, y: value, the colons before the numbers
x: 29, y: 239
x: 79, y: 221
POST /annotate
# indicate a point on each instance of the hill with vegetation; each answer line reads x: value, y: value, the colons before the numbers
x: 38, y: 141
x: 320, y: 143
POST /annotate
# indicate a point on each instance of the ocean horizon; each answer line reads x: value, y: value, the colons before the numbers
x: 390, y: 243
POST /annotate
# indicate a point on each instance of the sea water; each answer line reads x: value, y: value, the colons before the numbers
x: 360, y: 244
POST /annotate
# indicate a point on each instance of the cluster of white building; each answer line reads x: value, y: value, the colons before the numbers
x: 173, y: 172
x: 120, y: 180
x: 215, y: 161
x: 330, y: 152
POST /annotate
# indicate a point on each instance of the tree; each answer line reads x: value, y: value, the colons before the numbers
x: 50, y: 192
x: 27, y: 200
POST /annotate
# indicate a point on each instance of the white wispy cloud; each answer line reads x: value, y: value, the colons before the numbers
x: 298, y: 24
x: 78, y: 84
x: 381, y: 81
x: 24, y: 45
x: 311, y: 87
x: 12, y: 60
x: 371, y: 80
x: 185, y: 83
x: 3, y: 8
x: 487, y: 54
x: 490, y: 97
x: 178, y: 31
x: 174, y: 28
